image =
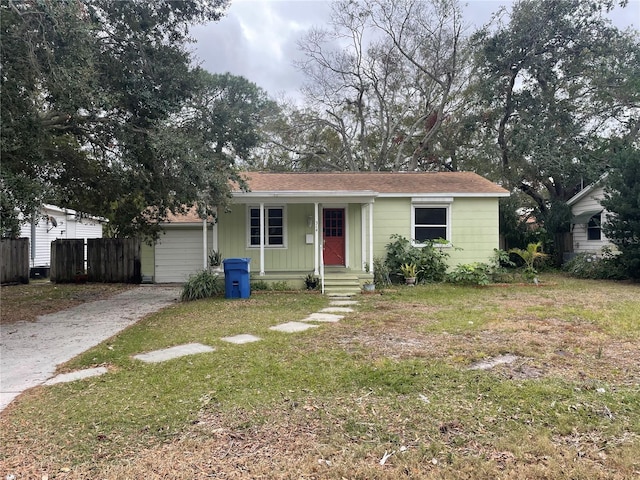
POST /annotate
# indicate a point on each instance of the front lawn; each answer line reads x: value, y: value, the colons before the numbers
x: 385, y: 393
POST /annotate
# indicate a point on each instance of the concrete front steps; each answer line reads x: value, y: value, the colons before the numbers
x: 341, y: 284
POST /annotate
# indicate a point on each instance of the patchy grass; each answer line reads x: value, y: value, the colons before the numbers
x: 330, y: 402
x: 40, y: 297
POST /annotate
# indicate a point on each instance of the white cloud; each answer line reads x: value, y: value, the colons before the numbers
x: 258, y: 38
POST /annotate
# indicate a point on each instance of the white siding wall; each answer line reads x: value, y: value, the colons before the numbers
x: 67, y: 227
x: 590, y: 202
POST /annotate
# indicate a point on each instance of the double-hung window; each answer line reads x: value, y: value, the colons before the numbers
x: 594, y: 227
x: 274, y: 225
x: 430, y: 222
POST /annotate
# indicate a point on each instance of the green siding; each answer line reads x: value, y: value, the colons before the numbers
x: 354, y: 235
x: 474, y: 232
x: 474, y: 227
x: 147, y: 259
x: 297, y: 255
x: 390, y: 215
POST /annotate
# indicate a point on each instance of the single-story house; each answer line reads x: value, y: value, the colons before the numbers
x: 293, y: 224
x: 588, y: 218
x: 57, y: 223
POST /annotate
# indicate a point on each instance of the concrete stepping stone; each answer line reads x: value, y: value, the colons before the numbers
x: 336, y: 310
x: 343, y: 303
x: 241, y: 339
x: 173, y: 352
x: 291, y: 327
x: 323, y: 317
x: 77, y: 375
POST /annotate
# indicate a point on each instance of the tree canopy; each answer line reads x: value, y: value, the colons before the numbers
x: 553, y: 90
x: 380, y: 80
x: 91, y: 91
x: 622, y: 201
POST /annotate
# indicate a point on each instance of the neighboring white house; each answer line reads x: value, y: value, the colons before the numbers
x: 588, y: 218
x: 57, y: 223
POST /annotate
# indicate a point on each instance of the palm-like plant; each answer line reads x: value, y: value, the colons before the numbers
x: 529, y: 256
x: 408, y: 270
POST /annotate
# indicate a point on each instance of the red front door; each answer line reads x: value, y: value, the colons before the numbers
x: 333, y: 236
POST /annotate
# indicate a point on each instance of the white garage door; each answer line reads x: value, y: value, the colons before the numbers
x: 178, y: 255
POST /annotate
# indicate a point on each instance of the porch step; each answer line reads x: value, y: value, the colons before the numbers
x: 341, y: 284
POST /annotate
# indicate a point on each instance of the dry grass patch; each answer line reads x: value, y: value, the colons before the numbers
x: 40, y: 297
x: 390, y: 381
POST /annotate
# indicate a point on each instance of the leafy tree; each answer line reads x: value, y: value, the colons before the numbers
x: 622, y: 201
x: 381, y: 80
x: 88, y: 87
x: 551, y: 88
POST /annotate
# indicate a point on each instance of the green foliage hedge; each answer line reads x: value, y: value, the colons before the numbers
x: 604, y: 266
x: 203, y: 284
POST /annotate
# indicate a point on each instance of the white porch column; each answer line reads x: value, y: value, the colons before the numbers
x: 316, y: 245
x: 205, y: 258
x: 363, y: 236
x: 371, y: 236
x: 214, y: 232
x: 261, y: 239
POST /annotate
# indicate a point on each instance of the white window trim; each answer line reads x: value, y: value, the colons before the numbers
x: 599, y: 228
x: 443, y: 203
x: 266, y: 226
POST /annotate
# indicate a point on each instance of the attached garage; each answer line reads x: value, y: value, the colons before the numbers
x: 179, y: 253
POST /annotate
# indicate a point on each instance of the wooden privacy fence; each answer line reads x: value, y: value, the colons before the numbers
x: 14, y: 260
x: 67, y: 260
x: 114, y: 260
x: 109, y: 260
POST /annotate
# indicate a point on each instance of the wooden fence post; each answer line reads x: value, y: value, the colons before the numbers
x: 114, y: 260
x: 14, y: 260
x: 67, y: 260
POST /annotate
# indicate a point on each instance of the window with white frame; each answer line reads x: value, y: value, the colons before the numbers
x: 430, y: 223
x: 274, y: 225
x: 594, y: 227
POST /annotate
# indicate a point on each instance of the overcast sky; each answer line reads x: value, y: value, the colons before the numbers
x: 258, y: 38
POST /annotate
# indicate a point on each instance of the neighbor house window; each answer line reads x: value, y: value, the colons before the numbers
x: 430, y: 223
x: 274, y: 224
x: 594, y: 227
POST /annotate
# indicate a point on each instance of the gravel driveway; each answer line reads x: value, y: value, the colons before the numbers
x: 30, y: 351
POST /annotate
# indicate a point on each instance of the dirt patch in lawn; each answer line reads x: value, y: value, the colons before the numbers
x: 27, y: 302
x: 546, y: 345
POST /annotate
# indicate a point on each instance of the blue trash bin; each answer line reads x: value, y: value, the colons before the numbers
x: 236, y: 278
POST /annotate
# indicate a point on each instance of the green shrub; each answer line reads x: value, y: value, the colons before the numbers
x: 597, y: 267
x: 203, y: 284
x: 501, y: 266
x: 311, y: 281
x: 430, y: 260
x: 280, y: 286
x: 432, y: 263
x: 471, y: 274
x: 259, y: 285
x: 380, y: 273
